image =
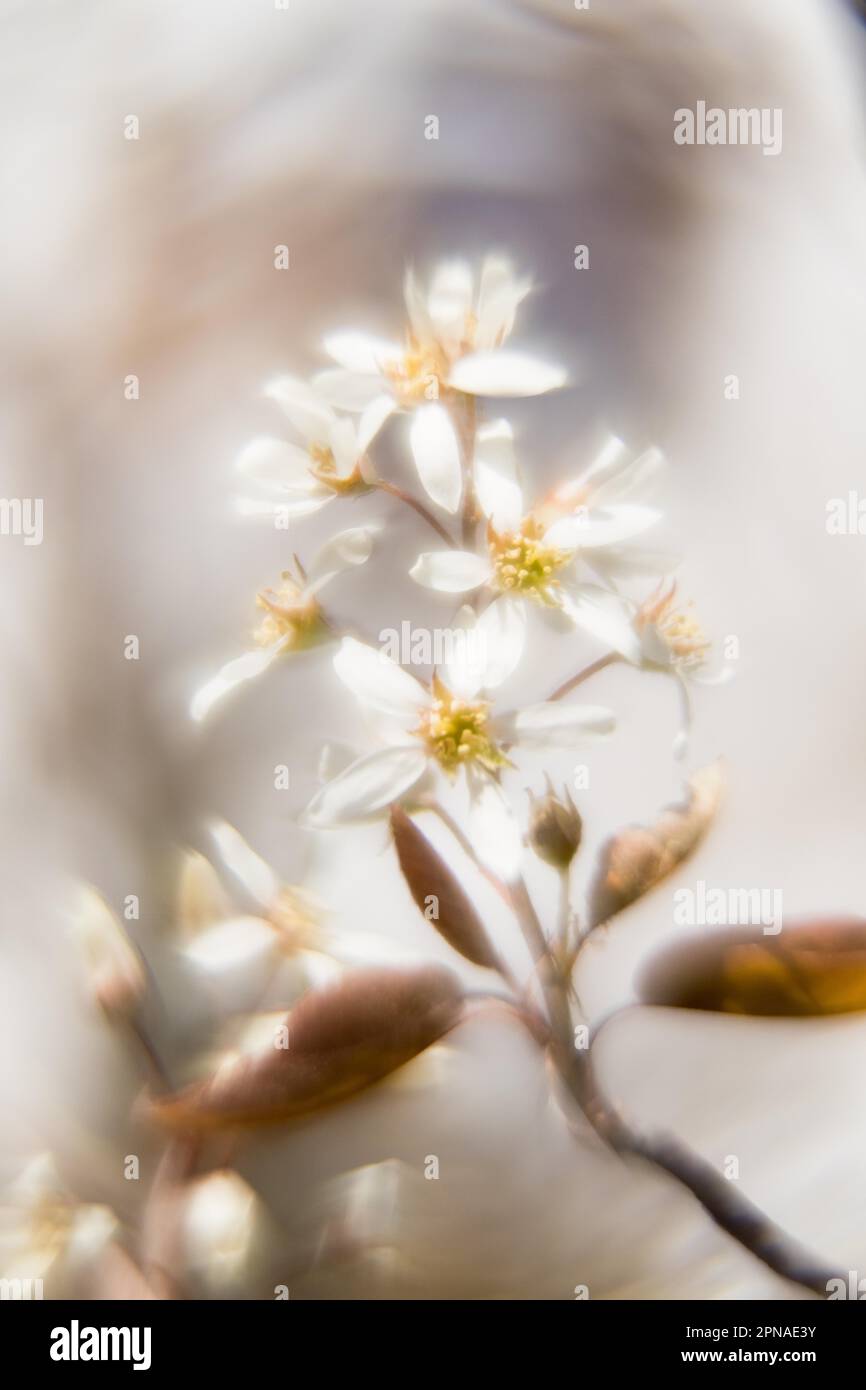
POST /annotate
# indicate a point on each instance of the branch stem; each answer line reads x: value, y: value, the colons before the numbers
x: 408, y: 500
x: 574, y: 681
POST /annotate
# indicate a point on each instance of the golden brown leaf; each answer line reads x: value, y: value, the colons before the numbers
x: 639, y: 857
x: 341, y: 1039
x: 438, y: 894
x: 813, y: 968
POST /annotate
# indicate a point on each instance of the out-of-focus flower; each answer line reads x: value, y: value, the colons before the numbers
x: 449, y: 728
x: 293, y: 619
x: 454, y: 341
x: 672, y: 639
x: 115, y: 970
x: 239, y: 953
x: 533, y: 557
x: 298, y: 479
x: 555, y: 828
x: 223, y: 1230
x: 46, y: 1234
x: 283, y: 941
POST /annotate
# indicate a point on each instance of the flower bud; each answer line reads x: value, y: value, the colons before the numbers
x: 114, y: 968
x: 555, y: 828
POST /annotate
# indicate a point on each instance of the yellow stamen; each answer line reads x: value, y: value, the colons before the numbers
x: 523, y: 564
x: 457, y: 732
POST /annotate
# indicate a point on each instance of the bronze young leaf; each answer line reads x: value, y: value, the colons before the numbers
x: 815, y: 968
x: 639, y: 857
x: 340, y: 1040
x: 438, y: 893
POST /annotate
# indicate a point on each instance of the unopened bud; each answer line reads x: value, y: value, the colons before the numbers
x: 115, y: 970
x: 555, y: 828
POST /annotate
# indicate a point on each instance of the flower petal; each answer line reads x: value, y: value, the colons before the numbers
x: 257, y: 877
x: 599, y: 527
x: 416, y: 307
x: 464, y: 662
x: 377, y: 681
x: 504, y: 373
x: 496, y: 483
x: 499, y: 295
x: 360, y: 352
x: 373, y: 418
x: 632, y: 476
x: 243, y: 668
x: 494, y: 829
x: 346, y: 390
x: 605, y: 616
x: 305, y: 408
x: 367, y: 786
x: 343, y: 443
x: 450, y: 571
x: 554, y: 724
x: 233, y: 943
x: 437, y: 456
x: 348, y: 548
x: 502, y: 635
x: 449, y: 302
x: 277, y: 464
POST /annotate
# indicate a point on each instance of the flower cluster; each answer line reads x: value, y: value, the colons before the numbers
x: 566, y: 556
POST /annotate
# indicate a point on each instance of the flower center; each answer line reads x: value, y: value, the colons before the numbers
x: 288, y: 614
x: 324, y: 470
x: 522, y: 564
x: 684, y: 637
x: 678, y: 628
x: 457, y: 733
x: 419, y: 375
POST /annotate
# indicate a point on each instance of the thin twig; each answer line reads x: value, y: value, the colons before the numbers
x: 410, y: 501
x: 584, y: 675
x: 466, y: 845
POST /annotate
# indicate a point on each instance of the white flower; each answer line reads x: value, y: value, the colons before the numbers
x: 283, y: 943
x: 454, y: 340
x: 533, y: 556
x: 298, y: 479
x: 293, y: 619
x: 453, y: 348
x: 45, y: 1233
x: 671, y: 639
x: 450, y: 728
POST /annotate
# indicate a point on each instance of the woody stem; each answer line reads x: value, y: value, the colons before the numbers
x: 728, y: 1208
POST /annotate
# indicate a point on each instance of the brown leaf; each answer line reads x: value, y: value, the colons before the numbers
x: 639, y: 857
x: 427, y: 875
x: 813, y: 968
x: 341, y: 1039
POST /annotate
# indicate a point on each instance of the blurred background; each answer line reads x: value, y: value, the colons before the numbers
x: 304, y: 126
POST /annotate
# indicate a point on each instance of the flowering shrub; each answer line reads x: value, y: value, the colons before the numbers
x: 573, y: 558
